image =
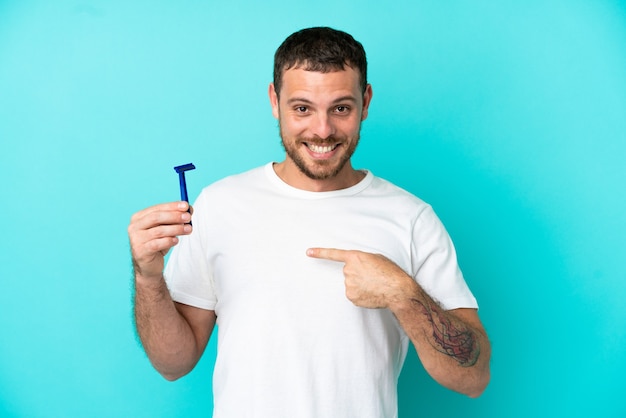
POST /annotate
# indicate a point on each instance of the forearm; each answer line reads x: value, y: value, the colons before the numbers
x: 454, y: 350
x: 166, y: 336
x: 452, y: 346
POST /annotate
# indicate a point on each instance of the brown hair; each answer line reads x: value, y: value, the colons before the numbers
x: 320, y: 49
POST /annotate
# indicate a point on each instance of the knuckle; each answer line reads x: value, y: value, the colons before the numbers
x: 134, y: 217
x: 154, y: 218
x: 155, y: 246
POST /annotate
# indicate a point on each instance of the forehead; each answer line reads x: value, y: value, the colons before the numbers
x: 297, y: 81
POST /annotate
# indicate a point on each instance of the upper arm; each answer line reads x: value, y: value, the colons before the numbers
x: 201, y: 322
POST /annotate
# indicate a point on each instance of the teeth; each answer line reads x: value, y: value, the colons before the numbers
x: 320, y: 149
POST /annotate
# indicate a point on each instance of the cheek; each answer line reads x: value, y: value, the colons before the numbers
x: 293, y: 126
x: 349, y: 127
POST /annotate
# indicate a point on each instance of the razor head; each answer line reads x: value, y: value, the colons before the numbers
x: 184, y: 167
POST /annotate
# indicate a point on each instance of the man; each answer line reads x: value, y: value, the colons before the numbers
x: 317, y: 274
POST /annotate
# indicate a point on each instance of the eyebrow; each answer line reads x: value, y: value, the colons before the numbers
x: 298, y: 100
x: 345, y: 99
x: 307, y: 101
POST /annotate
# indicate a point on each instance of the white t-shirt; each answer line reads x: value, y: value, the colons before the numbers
x: 290, y: 344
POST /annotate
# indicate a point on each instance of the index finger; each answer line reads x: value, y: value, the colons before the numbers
x: 181, y: 206
x: 333, y: 254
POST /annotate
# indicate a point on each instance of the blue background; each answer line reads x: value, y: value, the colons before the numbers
x: 508, y: 117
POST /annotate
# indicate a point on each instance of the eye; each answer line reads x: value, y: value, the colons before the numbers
x: 342, y: 109
x: 301, y: 109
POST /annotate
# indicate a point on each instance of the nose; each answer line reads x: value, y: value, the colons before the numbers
x: 322, y: 126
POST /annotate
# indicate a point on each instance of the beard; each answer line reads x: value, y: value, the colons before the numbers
x: 319, y: 169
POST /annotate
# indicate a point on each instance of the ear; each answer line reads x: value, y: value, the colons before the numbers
x: 367, y: 98
x: 273, y: 100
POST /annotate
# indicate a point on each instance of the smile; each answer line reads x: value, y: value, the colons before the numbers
x: 321, y: 149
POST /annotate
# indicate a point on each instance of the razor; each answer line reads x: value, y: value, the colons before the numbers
x: 183, y: 184
x: 181, y: 179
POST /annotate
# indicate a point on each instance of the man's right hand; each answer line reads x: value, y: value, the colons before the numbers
x: 152, y: 232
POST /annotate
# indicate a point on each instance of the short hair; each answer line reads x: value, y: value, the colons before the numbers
x: 321, y: 49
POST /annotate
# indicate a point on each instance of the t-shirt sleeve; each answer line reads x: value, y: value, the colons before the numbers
x: 188, y: 275
x: 435, y: 266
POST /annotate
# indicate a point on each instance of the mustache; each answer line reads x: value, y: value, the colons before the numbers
x: 316, y: 140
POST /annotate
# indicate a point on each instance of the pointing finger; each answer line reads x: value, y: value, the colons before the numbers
x: 328, y: 254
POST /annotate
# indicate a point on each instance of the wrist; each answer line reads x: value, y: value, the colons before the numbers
x: 408, y: 290
x: 149, y: 280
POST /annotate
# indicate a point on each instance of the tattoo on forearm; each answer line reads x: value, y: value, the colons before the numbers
x: 458, y: 342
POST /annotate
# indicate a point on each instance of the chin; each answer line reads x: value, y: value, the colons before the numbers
x: 322, y: 173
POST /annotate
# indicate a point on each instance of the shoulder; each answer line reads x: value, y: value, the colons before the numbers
x: 396, y: 195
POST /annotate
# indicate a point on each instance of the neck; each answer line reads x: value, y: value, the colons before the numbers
x: 288, y: 172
